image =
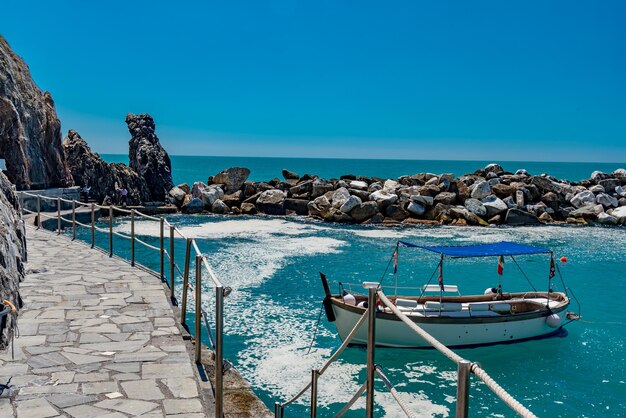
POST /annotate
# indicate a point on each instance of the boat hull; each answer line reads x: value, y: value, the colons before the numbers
x: 453, y: 332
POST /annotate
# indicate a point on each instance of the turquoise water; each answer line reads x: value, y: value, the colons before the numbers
x: 188, y: 169
x: 272, y: 264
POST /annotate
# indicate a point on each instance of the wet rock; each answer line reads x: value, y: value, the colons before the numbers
x: 351, y: 203
x: 271, y: 202
x: 147, y: 157
x: 299, y: 206
x: 195, y: 205
x: 481, y: 190
x: 364, y: 211
x: 232, y: 178
x: 518, y: 217
x: 606, y: 219
x: 583, y: 198
x: 290, y: 175
x: 30, y: 131
x: 475, y: 206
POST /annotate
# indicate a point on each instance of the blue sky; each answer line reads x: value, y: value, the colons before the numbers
x: 481, y: 80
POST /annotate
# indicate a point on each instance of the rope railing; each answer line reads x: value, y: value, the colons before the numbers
x: 474, y: 368
x: 175, y: 270
x: 394, y: 392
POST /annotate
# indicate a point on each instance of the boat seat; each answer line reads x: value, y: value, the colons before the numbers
x: 443, y: 306
x: 448, y: 288
x: 406, y: 303
x: 478, y: 307
x: 501, y: 307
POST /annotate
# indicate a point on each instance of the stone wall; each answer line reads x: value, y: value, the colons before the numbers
x: 12, y: 253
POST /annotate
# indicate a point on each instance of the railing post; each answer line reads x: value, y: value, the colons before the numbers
x: 73, y: 220
x: 93, y: 225
x: 462, y: 388
x: 172, y: 262
x: 132, y: 237
x: 183, y: 307
x: 278, y: 410
x: 58, y: 216
x: 162, y: 246
x: 38, y: 211
x: 110, y: 231
x: 219, y: 354
x: 198, y: 307
x: 371, y: 342
x: 314, y: 376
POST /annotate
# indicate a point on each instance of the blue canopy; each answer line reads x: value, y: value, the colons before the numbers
x: 482, y: 250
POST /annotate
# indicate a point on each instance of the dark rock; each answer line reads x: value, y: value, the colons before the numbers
x: 12, y: 253
x: 376, y: 219
x: 476, y: 206
x: 320, y: 207
x: 290, y: 175
x: 195, y: 205
x: 364, y: 195
x: 348, y: 177
x: 493, y: 168
x: 503, y: 190
x: 233, y: 199
x: 319, y: 187
x: 197, y: 189
x: 302, y: 187
x: 30, y: 132
x: 429, y: 190
x: 262, y: 187
x: 446, y: 198
x: 364, y: 211
x: 88, y: 169
x: 248, y: 209
x: 232, y: 178
x: 397, y: 213
x: 518, y: 217
x: 271, y: 202
x: 341, y: 217
x: 249, y: 189
x: 609, y: 184
x: 147, y: 157
x: 300, y: 207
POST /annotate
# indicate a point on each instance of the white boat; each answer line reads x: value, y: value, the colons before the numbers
x: 454, y: 319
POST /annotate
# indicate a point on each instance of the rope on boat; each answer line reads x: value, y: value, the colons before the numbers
x: 476, y: 369
x: 317, y: 324
x: 523, y: 274
x: 351, y: 402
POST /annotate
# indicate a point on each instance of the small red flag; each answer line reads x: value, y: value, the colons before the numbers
x: 501, y: 265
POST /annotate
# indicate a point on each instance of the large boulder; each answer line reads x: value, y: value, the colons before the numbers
x: 620, y: 214
x: 299, y: 206
x: 197, y: 189
x: 475, y: 206
x: 271, y: 202
x: 340, y: 196
x: 30, y: 131
x: 481, y: 190
x: 364, y: 211
x: 232, y: 178
x: 320, y: 207
x: 494, y: 206
x: 416, y: 208
x: 583, y: 198
x: 320, y: 187
x: 103, y: 179
x: 210, y: 194
x: 606, y: 219
x: 519, y: 217
x: 383, y: 199
x: 290, y: 175
x: 447, y: 198
x: 195, y: 205
x: 351, y: 203
x: 12, y: 254
x: 177, y: 196
x: 397, y: 213
x: 422, y: 200
x: 606, y: 200
x: 147, y: 157
x: 220, y: 207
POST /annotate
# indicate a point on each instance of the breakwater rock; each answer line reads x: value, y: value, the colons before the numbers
x: 103, y: 178
x: 30, y: 131
x: 12, y: 254
x: 489, y: 196
x: 147, y: 157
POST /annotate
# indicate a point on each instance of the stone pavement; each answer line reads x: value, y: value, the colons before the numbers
x: 98, y: 338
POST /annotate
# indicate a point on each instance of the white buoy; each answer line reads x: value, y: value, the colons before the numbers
x: 553, y: 321
x: 349, y: 299
x: 362, y: 304
x: 491, y: 291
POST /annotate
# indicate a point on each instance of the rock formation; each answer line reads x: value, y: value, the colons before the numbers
x: 88, y: 169
x: 12, y: 252
x: 488, y: 196
x: 147, y: 157
x: 30, y: 132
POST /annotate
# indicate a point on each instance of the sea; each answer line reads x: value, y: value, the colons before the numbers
x: 275, y: 332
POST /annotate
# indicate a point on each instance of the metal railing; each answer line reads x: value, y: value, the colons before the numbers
x: 200, y: 263
x: 464, y: 368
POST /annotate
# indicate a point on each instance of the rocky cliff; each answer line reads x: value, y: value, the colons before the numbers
x: 147, y: 157
x: 88, y: 169
x: 30, y: 132
x: 12, y: 251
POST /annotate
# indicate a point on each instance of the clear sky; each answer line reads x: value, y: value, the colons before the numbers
x: 507, y: 80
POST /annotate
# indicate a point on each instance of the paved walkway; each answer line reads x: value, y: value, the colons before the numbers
x: 98, y: 339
